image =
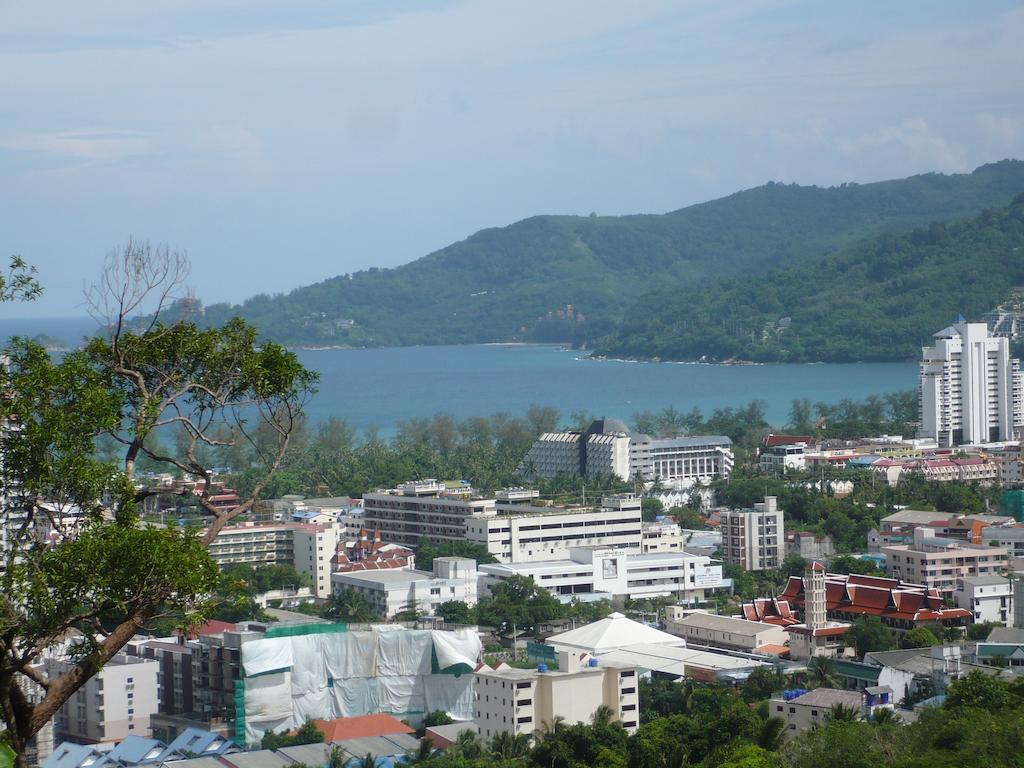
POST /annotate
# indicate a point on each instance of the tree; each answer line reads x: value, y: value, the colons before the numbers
x: 651, y: 509
x: 918, y: 637
x: 104, y: 573
x: 761, y: 684
x: 870, y: 634
x: 307, y: 733
x: 348, y: 605
x: 455, y: 612
x: 981, y: 691
x: 821, y: 673
x: 843, y: 713
x: 437, y: 717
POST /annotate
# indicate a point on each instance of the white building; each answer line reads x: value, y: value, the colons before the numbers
x: 393, y: 590
x: 811, y: 709
x: 971, y: 390
x: 426, y: 508
x: 608, y: 448
x: 314, y: 546
x: 117, y: 701
x: 254, y: 544
x: 595, y: 572
x: 989, y: 598
x: 776, y: 459
x: 662, y: 537
x: 1010, y: 538
x: 754, y: 539
x: 524, y: 533
x: 521, y: 701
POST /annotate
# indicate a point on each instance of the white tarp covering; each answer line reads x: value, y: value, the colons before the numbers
x: 324, y: 676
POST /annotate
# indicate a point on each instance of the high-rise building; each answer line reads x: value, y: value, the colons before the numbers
x: 754, y: 539
x: 971, y: 390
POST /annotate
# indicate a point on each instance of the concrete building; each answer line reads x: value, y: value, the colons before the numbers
x: 778, y: 459
x: 754, y: 539
x: 809, y: 709
x: 1010, y: 538
x: 939, y: 562
x: 521, y: 701
x: 117, y: 701
x: 989, y: 598
x: 526, y: 533
x: 971, y: 390
x: 726, y: 632
x: 605, y: 572
x: 425, y: 508
x: 393, y: 590
x: 816, y: 635
x: 809, y: 545
x: 607, y: 447
x: 662, y: 537
x: 314, y: 547
x: 254, y: 544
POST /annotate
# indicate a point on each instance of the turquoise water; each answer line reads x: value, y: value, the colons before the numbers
x: 380, y: 387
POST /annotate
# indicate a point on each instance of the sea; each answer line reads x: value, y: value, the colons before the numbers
x: 379, y: 388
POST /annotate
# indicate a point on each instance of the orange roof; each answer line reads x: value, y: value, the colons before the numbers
x: 773, y: 649
x: 345, y: 728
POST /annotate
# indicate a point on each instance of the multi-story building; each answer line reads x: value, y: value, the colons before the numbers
x: 803, y: 710
x: 662, y: 537
x: 314, y: 546
x: 522, y: 701
x: 726, y: 632
x: 989, y: 598
x: 392, y: 590
x: 939, y: 562
x: 754, y: 539
x: 524, y: 533
x: 777, y: 459
x: 809, y: 545
x: 254, y: 544
x: 423, y: 509
x: 115, y: 702
x: 971, y: 390
x: 607, y: 447
x: 606, y: 572
x: 174, y: 680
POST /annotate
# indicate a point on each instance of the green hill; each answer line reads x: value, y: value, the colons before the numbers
x: 878, y: 300
x: 571, y: 278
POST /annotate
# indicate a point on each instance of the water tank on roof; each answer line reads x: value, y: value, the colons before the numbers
x: 592, y: 663
x: 542, y: 667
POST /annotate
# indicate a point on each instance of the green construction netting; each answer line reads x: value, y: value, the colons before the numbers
x: 305, y: 629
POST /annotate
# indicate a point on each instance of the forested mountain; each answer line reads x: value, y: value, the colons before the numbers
x: 571, y: 278
x: 877, y: 300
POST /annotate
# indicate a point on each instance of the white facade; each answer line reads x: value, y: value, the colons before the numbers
x: 779, y: 458
x: 1010, y: 538
x: 254, y: 544
x: 613, y: 572
x: 392, y: 590
x: 810, y: 710
x: 521, y: 701
x: 522, y: 534
x: 754, y: 539
x: 728, y: 632
x: 419, y: 509
x: 672, y: 459
x: 117, y: 701
x: 989, y: 598
x: 662, y: 537
x: 971, y: 390
x: 314, y: 547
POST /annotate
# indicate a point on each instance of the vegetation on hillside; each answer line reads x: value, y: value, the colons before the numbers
x: 572, y: 278
x: 877, y: 300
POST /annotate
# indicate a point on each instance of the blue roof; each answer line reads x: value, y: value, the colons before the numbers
x: 137, y: 750
x: 201, y: 742
x: 863, y: 460
x: 70, y: 755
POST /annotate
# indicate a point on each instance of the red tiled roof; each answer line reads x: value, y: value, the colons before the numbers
x: 360, y: 727
x: 772, y: 440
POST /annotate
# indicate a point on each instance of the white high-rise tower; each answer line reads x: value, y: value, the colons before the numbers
x: 971, y: 390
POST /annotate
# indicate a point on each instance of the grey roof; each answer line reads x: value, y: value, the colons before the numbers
x: 199, y: 741
x: 918, y: 661
x: 380, y: 746
x: 985, y: 580
x: 828, y: 698
x: 310, y: 754
x: 263, y: 758
x: 1011, y: 635
x: 451, y: 731
x: 608, y: 427
x: 139, y: 750
x: 198, y: 762
x: 725, y: 624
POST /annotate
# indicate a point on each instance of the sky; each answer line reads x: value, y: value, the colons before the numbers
x: 282, y: 142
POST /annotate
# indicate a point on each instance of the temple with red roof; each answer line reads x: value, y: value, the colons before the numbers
x: 900, y: 606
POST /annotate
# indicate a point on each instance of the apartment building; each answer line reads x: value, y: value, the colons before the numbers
x: 117, y: 701
x: 1008, y: 537
x: 989, y: 598
x: 777, y: 459
x: 754, y: 539
x: 254, y: 544
x: 803, y: 710
x: 939, y: 562
x: 392, y: 590
x: 970, y: 390
x: 423, y: 508
x: 522, y: 701
x: 174, y: 681
x: 607, y: 447
x: 596, y: 572
x: 525, y: 533
x: 726, y: 632
x: 313, y: 547
x: 662, y: 537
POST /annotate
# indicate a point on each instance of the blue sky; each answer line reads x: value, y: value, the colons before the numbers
x: 281, y: 142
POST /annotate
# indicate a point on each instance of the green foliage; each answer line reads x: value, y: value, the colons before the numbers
x: 455, y: 612
x: 762, y: 683
x: 870, y: 634
x: 821, y: 673
x: 307, y: 733
x: 428, y: 549
x: 502, y: 284
x: 517, y: 600
x: 981, y: 630
x: 919, y: 637
x: 437, y: 717
x: 349, y: 606
x: 651, y: 509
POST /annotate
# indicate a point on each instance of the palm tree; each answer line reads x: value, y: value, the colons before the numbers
x: 552, y: 729
x: 842, y: 713
x: 821, y: 673
x: 771, y: 734
x: 602, y: 716
x: 885, y: 716
x: 368, y: 762
x: 506, y: 746
x: 418, y: 755
x: 468, y: 745
x: 336, y: 758
x: 349, y: 605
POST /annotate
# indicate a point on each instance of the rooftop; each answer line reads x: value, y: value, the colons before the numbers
x: 826, y: 698
x: 343, y: 728
x: 732, y: 624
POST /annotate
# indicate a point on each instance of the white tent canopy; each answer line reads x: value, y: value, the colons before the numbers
x: 610, y: 634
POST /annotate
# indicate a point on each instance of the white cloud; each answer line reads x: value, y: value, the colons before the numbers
x: 85, y: 145
x: 913, y: 136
